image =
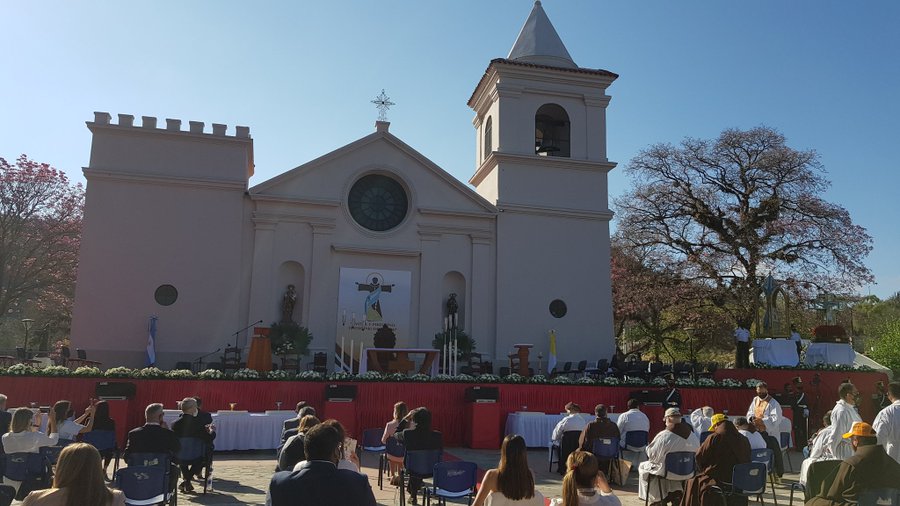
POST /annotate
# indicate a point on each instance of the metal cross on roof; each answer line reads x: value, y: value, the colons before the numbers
x: 383, y: 103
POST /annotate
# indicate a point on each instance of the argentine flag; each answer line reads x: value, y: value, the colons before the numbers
x: 151, y: 342
x: 551, y: 360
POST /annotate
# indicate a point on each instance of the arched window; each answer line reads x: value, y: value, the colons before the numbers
x: 551, y: 131
x: 488, y: 138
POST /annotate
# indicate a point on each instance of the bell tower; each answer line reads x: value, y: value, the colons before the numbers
x: 540, y: 123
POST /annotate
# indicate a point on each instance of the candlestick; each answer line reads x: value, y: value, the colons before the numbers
x: 351, y: 357
x: 342, y: 353
x: 359, y: 367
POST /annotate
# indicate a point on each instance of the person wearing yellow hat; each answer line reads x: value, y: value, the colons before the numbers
x: 870, y: 467
x: 715, y: 421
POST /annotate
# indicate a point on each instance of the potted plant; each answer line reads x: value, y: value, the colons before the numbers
x: 289, y: 339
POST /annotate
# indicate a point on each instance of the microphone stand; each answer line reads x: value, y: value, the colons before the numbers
x: 235, y: 335
x: 199, y: 361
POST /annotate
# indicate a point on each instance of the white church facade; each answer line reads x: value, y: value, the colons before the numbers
x: 371, y: 234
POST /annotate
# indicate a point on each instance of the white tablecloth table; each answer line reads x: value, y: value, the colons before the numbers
x: 775, y: 352
x: 244, y: 431
x: 830, y: 353
x: 536, y: 428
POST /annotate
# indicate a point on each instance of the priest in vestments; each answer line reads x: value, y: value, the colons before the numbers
x: 716, y: 459
x: 843, y: 416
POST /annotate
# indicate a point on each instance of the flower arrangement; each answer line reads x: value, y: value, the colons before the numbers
x: 279, y: 375
x: 87, y: 371
x: 465, y: 378
x: 180, y: 374
x: 585, y: 380
x: 633, y: 380
x: 730, y: 383
x: 488, y: 378
x: 706, y: 382
x: 443, y: 378
x: 685, y: 382
x: 610, y: 381
x: 370, y: 376
x: 515, y: 378
x: 54, y: 370
x: 245, y: 374
x: 21, y: 370
x: 659, y: 381
x: 211, y: 374
x: 149, y: 373
x: 420, y: 378
x: 340, y: 376
x: 311, y: 376
x: 752, y: 382
x: 539, y: 379
x: 118, y: 372
x: 562, y: 380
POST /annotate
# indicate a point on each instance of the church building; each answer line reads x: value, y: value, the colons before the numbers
x: 372, y: 234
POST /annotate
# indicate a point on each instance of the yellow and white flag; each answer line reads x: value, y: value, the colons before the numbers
x: 551, y: 360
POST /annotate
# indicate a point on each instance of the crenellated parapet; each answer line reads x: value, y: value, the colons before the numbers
x: 172, y: 125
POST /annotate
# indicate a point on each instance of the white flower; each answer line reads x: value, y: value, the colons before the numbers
x: 311, y: 375
x: 659, y: 380
x: 585, y: 380
x: 246, y: 374
x: 87, y: 371
x: 119, y: 372
x: 488, y: 378
x: 55, y: 370
x: 515, y: 378
x: 420, y: 377
x: 180, y: 374
x: 706, y: 382
x: 211, y: 374
x: 371, y: 376
x: 685, y: 382
x: 539, y: 379
x: 149, y: 372
x: 610, y: 380
x: 752, y: 382
x: 279, y: 375
x: 339, y: 376
x: 465, y: 378
x: 562, y: 380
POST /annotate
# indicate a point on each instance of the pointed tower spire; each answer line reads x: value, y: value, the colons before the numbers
x: 539, y: 43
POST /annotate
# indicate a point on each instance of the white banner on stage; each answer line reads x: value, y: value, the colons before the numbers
x: 369, y: 299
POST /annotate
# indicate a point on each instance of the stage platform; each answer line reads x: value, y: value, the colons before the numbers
x: 374, y: 401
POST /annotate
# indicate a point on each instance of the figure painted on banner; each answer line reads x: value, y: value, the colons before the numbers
x: 673, y: 395
x: 373, y: 300
x: 287, y: 304
x: 742, y: 348
x: 800, y: 408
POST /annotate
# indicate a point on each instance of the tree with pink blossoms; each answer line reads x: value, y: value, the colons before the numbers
x: 40, y: 229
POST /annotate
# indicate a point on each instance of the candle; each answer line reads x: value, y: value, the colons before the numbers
x: 360, y: 356
x: 446, y: 323
x: 342, y: 353
x: 453, y: 357
x: 351, y: 357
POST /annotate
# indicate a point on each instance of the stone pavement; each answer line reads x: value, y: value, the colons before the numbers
x: 243, y: 477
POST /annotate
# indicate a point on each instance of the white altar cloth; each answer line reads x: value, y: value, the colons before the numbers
x: 830, y: 353
x: 775, y: 352
x: 244, y: 431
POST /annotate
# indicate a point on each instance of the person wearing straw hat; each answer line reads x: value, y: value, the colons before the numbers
x: 870, y: 467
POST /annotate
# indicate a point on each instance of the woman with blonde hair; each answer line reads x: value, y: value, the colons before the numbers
x: 397, y: 424
x: 24, y: 437
x: 584, y: 483
x: 512, y: 483
x: 78, y: 481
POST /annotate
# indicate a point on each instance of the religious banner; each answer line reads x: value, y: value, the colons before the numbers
x: 374, y: 302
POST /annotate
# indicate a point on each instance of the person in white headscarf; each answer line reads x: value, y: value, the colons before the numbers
x: 676, y: 437
x: 701, y: 419
x: 887, y: 422
x: 843, y: 415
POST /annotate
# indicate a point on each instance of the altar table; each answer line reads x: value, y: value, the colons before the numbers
x: 830, y: 353
x: 244, y: 431
x: 775, y: 352
x: 429, y: 363
x: 537, y: 428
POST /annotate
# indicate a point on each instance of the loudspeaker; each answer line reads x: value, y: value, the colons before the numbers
x: 340, y: 392
x: 649, y: 397
x: 482, y: 394
x: 115, y: 390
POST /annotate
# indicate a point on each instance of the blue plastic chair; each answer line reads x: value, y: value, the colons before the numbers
x: 105, y: 443
x: 636, y: 440
x: 31, y: 469
x: 879, y: 497
x: 51, y: 453
x: 394, y: 448
x: 145, y: 485
x: 418, y: 463
x: 371, y: 440
x: 607, y: 451
x: 678, y: 466
x: 747, y: 480
x: 766, y: 456
x: 452, y: 480
x: 194, y: 450
x: 7, y: 495
x: 160, y: 460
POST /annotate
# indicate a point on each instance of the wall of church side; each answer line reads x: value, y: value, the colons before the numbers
x: 547, y: 257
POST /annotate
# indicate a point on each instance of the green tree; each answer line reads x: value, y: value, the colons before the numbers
x: 886, y: 350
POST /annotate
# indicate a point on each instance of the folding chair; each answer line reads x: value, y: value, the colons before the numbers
x: 679, y: 466
x: 419, y: 464
x: 452, y: 480
x: 51, y: 453
x: 636, y: 440
x: 567, y: 444
x: 785, y: 441
x: 105, y: 443
x: 819, y: 473
x: 145, y: 485
x: 606, y: 450
x: 192, y: 451
x: 879, y: 497
x: 31, y: 469
x: 393, y: 448
x: 747, y: 480
x: 371, y: 440
x: 766, y: 456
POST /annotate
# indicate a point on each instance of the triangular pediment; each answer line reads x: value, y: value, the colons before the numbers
x: 328, y: 178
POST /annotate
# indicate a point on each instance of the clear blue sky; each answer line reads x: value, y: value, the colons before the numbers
x: 301, y: 75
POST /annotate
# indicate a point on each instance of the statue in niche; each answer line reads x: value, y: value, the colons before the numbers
x: 287, y: 304
x: 452, y: 309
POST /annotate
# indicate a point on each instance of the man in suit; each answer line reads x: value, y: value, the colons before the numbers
x: 5, y: 417
x: 290, y: 425
x: 154, y: 437
x: 190, y: 425
x: 205, y: 418
x: 319, y: 482
x: 419, y: 436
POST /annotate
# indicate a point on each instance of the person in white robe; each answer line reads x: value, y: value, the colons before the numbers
x: 748, y: 431
x: 843, y: 415
x: 701, y: 419
x: 820, y: 448
x: 887, y: 423
x: 766, y: 408
x: 676, y: 437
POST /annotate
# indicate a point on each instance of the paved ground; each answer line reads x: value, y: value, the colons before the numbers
x: 243, y: 477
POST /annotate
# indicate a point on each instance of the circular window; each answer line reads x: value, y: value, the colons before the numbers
x: 378, y: 202
x: 558, y: 308
x: 166, y: 295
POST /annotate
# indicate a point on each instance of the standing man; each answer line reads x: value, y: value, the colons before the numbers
x: 800, y: 406
x: 843, y: 416
x: 764, y: 407
x: 887, y: 423
x: 742, y: 348
x: 795, y: 336
x: 673, y: 397
x: 880, y: 397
